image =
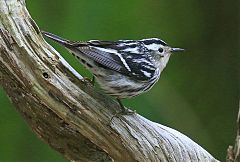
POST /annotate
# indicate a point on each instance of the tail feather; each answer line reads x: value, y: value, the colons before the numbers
x: 55, y: 38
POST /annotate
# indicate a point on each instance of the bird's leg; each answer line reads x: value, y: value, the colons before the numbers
x: 124, y: 111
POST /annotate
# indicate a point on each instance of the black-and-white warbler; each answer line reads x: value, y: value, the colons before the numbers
x: 123, y: 68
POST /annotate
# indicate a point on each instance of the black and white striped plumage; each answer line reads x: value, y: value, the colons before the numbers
x: 123, y: 68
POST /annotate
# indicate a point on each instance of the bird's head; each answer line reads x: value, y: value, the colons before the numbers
x: 160, y: 51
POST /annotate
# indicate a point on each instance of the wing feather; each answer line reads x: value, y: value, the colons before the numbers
x: 104, y: 58
x: 135, y: 65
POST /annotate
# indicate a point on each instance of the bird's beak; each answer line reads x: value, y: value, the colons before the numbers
x: 177, y: 50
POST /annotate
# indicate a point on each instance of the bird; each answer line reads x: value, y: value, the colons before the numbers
x: 122, y: 68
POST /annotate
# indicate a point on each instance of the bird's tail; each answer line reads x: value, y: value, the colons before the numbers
x: 56, y: 38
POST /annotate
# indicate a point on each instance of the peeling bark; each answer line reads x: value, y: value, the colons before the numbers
x: 67, y: 112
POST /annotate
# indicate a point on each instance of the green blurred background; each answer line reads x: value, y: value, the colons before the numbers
x: 199, y: 90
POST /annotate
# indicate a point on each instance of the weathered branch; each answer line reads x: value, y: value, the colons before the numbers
x: 233, y: 153
x: 237, y: 144
x: 67, y: 112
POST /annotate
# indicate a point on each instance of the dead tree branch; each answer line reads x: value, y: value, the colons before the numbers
x: 68, y: 113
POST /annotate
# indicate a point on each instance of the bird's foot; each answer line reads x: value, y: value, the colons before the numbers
x: 124, y: 111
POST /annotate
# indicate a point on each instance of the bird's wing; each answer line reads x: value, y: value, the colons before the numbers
x: 105, y: 58
x: 137, y: 65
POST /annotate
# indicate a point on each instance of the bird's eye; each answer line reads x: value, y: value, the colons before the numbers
x: 160, y: 50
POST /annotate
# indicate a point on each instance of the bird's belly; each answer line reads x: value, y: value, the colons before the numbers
x: 118, y: 85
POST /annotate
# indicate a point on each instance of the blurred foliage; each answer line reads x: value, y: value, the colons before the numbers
x: 199, y: 90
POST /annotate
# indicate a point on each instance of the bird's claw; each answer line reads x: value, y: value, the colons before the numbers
x: 122, y: 113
